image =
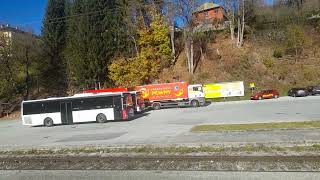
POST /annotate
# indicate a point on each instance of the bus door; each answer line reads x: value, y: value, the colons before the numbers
x: 117, y: 107
x: 135, y: 101
x: 66, y: 112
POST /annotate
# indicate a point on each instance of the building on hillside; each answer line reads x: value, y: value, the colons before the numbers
x: 209, y: 16
x: 9, y: 35
x: 9, y: 32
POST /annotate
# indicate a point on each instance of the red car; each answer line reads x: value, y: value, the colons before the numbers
x: 265, y: 94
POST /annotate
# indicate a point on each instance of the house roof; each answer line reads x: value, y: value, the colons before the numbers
x: 7, y: 27
x: 206, y: 6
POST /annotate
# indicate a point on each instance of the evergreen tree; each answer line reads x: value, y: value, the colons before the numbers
x: 53, y: 37
x: 95, y: 35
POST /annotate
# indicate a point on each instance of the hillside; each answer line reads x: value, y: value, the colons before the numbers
x: 254, y: 62
x: 277, y: 47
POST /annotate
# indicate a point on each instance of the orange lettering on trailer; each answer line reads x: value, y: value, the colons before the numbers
x: 161, y: 92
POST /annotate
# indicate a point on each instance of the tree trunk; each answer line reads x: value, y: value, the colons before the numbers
x: 296, y: 56
x: 191, y: 57
x: 27, y: 74
x: 232, y: 26
x: 243, y: 24
x: 296, y: 50
x: 239, y: 31
x: 135, y: 45
x: 187, y: 50
x: 172, y: 43
x: 201, y: 53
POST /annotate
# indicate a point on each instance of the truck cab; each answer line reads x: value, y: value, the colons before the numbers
x: 196, y: 95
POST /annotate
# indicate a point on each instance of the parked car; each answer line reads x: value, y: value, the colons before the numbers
x: 298, y: 92
x: 265, y: 94
x: 313, y: 90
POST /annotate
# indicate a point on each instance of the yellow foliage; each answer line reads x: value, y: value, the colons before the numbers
x: 133, y: 71
x: 154, y: 42
x: 155, y: 54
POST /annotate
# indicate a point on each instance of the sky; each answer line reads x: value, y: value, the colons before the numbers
x: 26, y: 14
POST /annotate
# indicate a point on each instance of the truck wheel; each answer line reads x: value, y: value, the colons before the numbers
x: 48, y: 122
x: 195, y: 103
x: 101, y: 118
x: 156, y: 106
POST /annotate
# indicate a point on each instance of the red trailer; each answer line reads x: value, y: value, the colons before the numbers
x: 168, y: 91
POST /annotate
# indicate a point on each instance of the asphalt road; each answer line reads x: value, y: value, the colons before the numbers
x: 172, y: 126
x: 156, y: 175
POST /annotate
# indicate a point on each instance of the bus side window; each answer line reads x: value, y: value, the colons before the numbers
x: 102, y: 102
x: 106, y: 102
x: 78, y: 104
x: 33, y: 108
x: 52, y: 107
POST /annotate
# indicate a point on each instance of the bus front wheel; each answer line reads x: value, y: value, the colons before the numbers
x: 101, y: 118
x: 48, y: 122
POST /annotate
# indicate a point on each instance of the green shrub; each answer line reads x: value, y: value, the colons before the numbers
x: 278, y: 53
x: 268, y: 62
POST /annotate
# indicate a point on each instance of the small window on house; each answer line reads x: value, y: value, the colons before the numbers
x: 216, y: 11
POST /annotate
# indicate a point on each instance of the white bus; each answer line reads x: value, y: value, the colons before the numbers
x: 76, y: 109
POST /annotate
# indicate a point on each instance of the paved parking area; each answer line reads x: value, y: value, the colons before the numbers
x: 172, y: 126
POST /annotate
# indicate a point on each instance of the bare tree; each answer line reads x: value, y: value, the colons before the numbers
x: 230, y: 8
x: 235, y: 11
x: 170, y: 15
x: 185, y: 9
x: 241, y: 22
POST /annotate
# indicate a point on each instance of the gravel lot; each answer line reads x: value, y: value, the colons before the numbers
x: 172, y: 126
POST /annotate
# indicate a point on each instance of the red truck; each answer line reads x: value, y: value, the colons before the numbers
x: 172, y: 94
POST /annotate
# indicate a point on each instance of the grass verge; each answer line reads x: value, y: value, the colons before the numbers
x: 257, y: 126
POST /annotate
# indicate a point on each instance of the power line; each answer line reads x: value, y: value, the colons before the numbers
x: 61, y: 19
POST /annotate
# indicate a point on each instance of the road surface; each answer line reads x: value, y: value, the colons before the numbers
x: 172, y: 126
x: 156, y: 175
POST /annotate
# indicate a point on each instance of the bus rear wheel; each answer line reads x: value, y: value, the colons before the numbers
x: 48, y: 122
x: 101, y: 118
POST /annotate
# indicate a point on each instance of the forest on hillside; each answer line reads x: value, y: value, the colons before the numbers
x: 106, y: 43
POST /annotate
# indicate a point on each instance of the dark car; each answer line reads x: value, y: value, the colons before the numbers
x: 313, y: 90
x: 265, y: 94
x: 298, y: 92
